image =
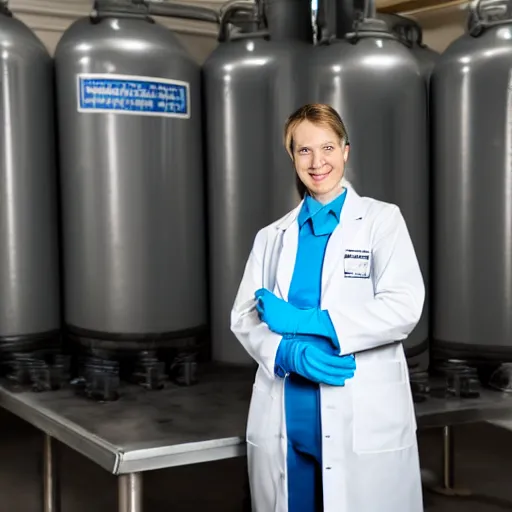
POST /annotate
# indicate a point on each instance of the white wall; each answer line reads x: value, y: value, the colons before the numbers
x: 441, y: 25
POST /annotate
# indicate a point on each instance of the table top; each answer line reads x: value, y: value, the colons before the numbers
x: 146, y: 430
x: 439, y: 412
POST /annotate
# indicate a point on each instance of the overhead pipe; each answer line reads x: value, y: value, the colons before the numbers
x: 189, y: 12
x: 243, y: 14
x: 233, y: 13
x: 146, y: 8
x: 236, y: 3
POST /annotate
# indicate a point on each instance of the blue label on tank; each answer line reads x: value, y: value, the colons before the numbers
x: 133, y: 95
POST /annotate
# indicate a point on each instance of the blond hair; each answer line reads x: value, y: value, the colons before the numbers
x: 316, y: 113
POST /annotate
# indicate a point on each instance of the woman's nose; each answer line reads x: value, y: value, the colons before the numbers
x: 316, y: 161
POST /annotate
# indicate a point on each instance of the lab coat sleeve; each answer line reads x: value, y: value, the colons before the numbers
x: 255, y: 336
x: 399, y: 292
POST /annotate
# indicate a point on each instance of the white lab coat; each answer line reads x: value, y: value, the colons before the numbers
x: 370, y: 454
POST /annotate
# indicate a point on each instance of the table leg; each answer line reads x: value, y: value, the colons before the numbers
x: 51, y: 488
x: 130, y: 492
x: 448, y: 487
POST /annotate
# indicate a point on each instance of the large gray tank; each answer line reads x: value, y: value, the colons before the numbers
x: 426, y: 56
x: 410, y: 33
x: 251, y: 86
x: 374, y: 82
x: 472, y: 126
x: 129, y: 103
x: 29, y: 276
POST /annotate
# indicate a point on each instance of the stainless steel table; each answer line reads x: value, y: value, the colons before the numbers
x: 445, y: 413
x: 147, y: 430
x: 142, y: 431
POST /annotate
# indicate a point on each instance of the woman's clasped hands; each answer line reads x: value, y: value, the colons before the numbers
x: 297, y: 353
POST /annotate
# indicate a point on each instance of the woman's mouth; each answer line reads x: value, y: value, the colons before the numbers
x: 320, y: 177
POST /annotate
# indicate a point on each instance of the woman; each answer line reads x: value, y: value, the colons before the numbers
x: 328, y: 293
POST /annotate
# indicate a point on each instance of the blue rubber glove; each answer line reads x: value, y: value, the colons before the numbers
x: 285, y: 319
x: 312, y: 363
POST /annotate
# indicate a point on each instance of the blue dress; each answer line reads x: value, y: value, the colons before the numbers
x: 302, y: 397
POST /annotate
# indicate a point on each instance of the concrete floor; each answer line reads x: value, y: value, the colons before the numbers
x: 483, y: 456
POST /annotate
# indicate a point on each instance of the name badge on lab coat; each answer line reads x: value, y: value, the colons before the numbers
x: 357, y: 263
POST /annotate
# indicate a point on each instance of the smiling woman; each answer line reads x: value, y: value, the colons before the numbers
x: 329, y: 292
x: 316, y: 140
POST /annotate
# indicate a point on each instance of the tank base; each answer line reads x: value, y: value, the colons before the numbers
x: 101, y: 361
x: 418, y: 356
x: 476, y: 354
x: 29, y: 343
x: 459, y: 379
x: 420, y: 386
x: 491, y: 362
x: 34, y: 362
x: 501, y: 378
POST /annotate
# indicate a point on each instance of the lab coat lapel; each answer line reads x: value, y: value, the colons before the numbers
x: 288, y: 252
x: 341, y: 238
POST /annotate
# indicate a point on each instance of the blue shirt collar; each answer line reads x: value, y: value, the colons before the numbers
x: 311, y: 207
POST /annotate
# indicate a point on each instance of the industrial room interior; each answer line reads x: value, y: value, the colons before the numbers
x: 482, y: 452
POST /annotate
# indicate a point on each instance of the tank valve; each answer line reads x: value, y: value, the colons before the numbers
x: 461, y: 380
x: 99, y: 380
x: 183, y: 371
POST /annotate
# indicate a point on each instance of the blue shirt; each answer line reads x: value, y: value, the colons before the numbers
x: 316, y: 224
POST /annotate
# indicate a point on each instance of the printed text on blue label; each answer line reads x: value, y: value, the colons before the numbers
x: 133, y: 95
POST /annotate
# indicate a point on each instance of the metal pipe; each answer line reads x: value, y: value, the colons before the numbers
x: 189, y: 12
x: 242, y: 14
x: 289, y: 19
x: 4, y: 8
x: 51, y: 488
x: 328, y: 21
x: 138, y: 8
x: 448, y: 452
x: 130, y: 492
x: 370, y: 10
x: 345, y: 12
x: 231, y: 3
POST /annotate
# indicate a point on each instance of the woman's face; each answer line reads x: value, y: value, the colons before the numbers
x: 319, y: 160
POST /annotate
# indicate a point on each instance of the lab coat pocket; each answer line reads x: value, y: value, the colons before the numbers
x: 259, y: 419
x: 383, y: 416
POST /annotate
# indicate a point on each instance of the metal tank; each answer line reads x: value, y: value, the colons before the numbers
x: 129, y: 103
x: 409, y: 31
x: 374, y: 82
x: 252, y: 84
x: 472, y: 260
x: 426, y: 56
x: 29, y: 267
